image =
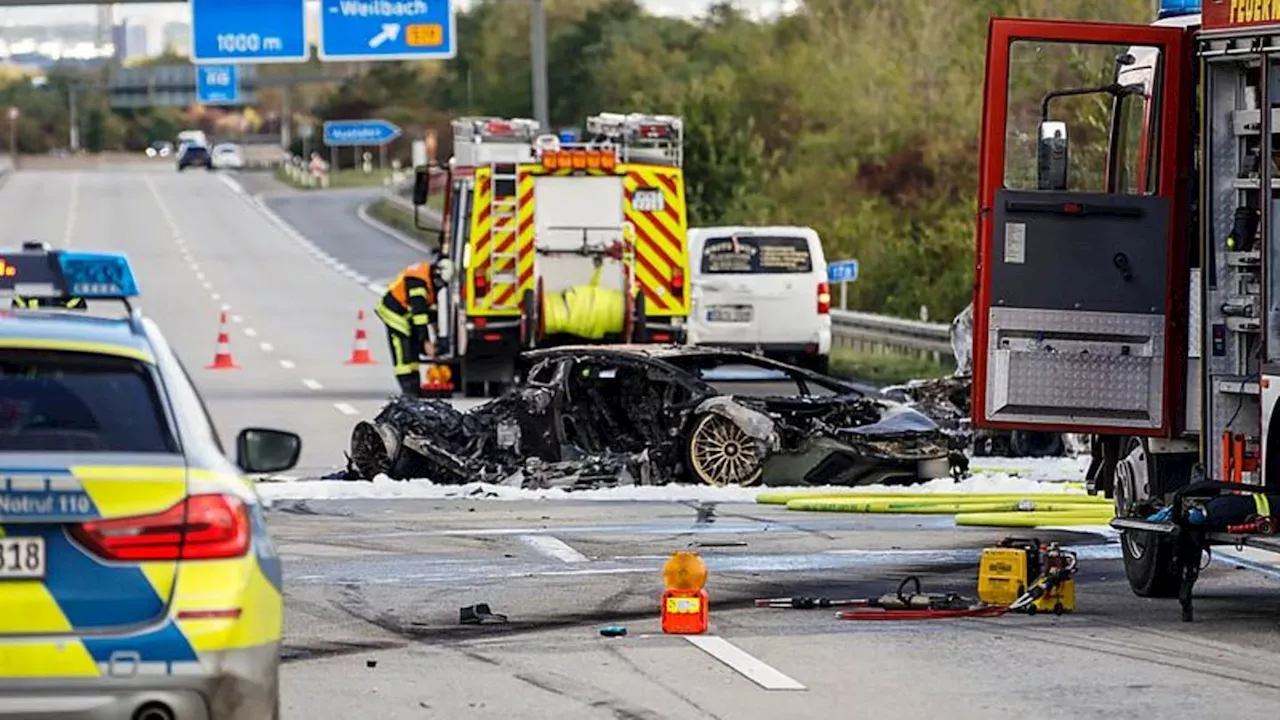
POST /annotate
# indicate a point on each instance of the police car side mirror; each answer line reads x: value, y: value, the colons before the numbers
x: 260, y: 450
x: 421, y: 186
x: 1052, y: 156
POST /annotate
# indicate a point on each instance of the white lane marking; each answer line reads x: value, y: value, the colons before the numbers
x: 1262, y: 561
x: 195, y: 267
x: 73, y: 210
x: 312, y: 384
x: 306, y: 244
x: 554, y: 547
x: 199, y: 275
x: 236, y: 318
x: 266, y: 346
x: 251, y: 332
x: 749, y: 666
x: 215, y: 297
x: 346, y: 409
x: 287, y: 364
x: 362, y: 212
x: 208, y: 285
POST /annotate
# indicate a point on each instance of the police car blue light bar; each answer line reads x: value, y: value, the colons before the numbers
x: 89, y: 275
x: 1175, y: 8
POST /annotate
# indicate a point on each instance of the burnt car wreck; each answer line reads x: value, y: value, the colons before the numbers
x: 594, y: 416
x: 946, y: 400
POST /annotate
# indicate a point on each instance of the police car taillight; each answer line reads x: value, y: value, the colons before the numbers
x: 202, y: 527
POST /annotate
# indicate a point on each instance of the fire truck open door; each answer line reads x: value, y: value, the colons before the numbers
x: 1080, y: 287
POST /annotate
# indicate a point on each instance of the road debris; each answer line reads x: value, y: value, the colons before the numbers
x: 479, y: 614
x: 610, y: 416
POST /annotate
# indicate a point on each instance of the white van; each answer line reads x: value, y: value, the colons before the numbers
x: 762, y: 289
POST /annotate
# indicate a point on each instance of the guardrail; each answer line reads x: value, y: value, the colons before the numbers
x: 867, y: 332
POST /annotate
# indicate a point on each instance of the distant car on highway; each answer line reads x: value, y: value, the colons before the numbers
x: 194, y: 155
x: 761, y: 289
x: 193, y: 136
x: 159, y: 149
x: 138, y: 577
x: 228, y: 155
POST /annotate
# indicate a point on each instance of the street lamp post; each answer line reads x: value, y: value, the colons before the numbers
x: 538, y: 40
x: 13, y: 136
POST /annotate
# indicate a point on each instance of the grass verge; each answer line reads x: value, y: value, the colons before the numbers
x: 883, y: 369
x: 340, y: 179
x: 393, y: 216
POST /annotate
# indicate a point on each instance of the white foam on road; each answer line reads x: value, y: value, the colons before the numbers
x: 1044, y: 478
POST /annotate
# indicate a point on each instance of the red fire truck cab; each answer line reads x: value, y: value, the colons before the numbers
x: 1125, y: 285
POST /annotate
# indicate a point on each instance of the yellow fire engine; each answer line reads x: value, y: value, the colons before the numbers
x: 559, y: 240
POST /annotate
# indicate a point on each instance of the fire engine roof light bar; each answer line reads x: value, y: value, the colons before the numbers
x: 1176, y: 8
x: 637, y: 127
x: 487, y: 129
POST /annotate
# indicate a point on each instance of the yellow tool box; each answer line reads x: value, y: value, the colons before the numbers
x: 1016, y: 566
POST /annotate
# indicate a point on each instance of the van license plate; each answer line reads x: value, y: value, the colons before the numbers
x: 22, y: 558
x: 729, y: 314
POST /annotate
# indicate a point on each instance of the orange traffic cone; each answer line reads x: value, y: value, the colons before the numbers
x: 360, y: 354
x: 222, y: 359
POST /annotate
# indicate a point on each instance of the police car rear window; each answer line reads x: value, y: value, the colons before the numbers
x: 73, y: 402
x: 756, y: 255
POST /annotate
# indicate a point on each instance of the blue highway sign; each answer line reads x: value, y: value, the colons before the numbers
x: 387, y: 30
x: 360, y: 132
x: 217, y: 84
x: 842, y: 271
x: 248, y: 31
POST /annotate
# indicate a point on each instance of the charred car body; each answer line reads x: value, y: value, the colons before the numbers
x: 946, y: 400
x: 587, y: 416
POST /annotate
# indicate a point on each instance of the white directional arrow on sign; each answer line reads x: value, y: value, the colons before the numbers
x: 390, y: 31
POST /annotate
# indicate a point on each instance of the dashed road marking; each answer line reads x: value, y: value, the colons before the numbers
x: 312, y: 384
x: 287, y: 364
x: 266, y: 346
x: 208, y: 285
x: 346, y: 409
x: 236, y: 319
x: 251, y: 332
x: 215, y: 297
x: 554, y: 547
x: 749, y: 666
x: 199, y: 275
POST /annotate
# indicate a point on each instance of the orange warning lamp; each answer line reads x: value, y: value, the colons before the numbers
x: 684, y: 602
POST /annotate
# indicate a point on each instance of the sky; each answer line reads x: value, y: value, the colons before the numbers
x: 156, y: 14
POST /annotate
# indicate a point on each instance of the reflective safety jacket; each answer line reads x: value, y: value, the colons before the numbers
x: 409, y: 305
x: 35, y: 303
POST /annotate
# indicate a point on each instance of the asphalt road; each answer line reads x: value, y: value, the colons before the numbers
x: 199, y: 246
x: 373, y: 588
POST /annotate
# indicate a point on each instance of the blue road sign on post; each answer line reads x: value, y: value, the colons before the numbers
x: 248, y: 31
x: 843, y: 271
x: 359, y: 132
x: 217, y: 84
x: 387, y: 30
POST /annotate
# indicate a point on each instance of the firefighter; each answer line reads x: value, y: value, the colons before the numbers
x: 408, y: 309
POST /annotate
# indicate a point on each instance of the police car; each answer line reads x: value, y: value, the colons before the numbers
x: 137, y: 580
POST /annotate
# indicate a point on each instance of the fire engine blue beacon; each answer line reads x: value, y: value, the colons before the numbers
x: 1174, y: 8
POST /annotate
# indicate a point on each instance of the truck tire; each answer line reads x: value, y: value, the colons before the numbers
x: 1149, y: 564
x: 640, y: 324
x: 1025, y: 443
x: 528, y: 320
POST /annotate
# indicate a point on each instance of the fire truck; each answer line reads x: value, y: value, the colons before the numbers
x: 558, y: 240
x: 1127, y: 280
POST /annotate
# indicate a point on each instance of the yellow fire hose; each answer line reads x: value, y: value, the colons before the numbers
x: 944, y: 507
x: 784, y: 497
x: 1101, y: 516
x: 587, y: 311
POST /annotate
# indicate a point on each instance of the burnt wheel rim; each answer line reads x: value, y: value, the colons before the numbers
x: 722, y: 454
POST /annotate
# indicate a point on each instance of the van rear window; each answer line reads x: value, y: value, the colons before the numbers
x: 756, y: 255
